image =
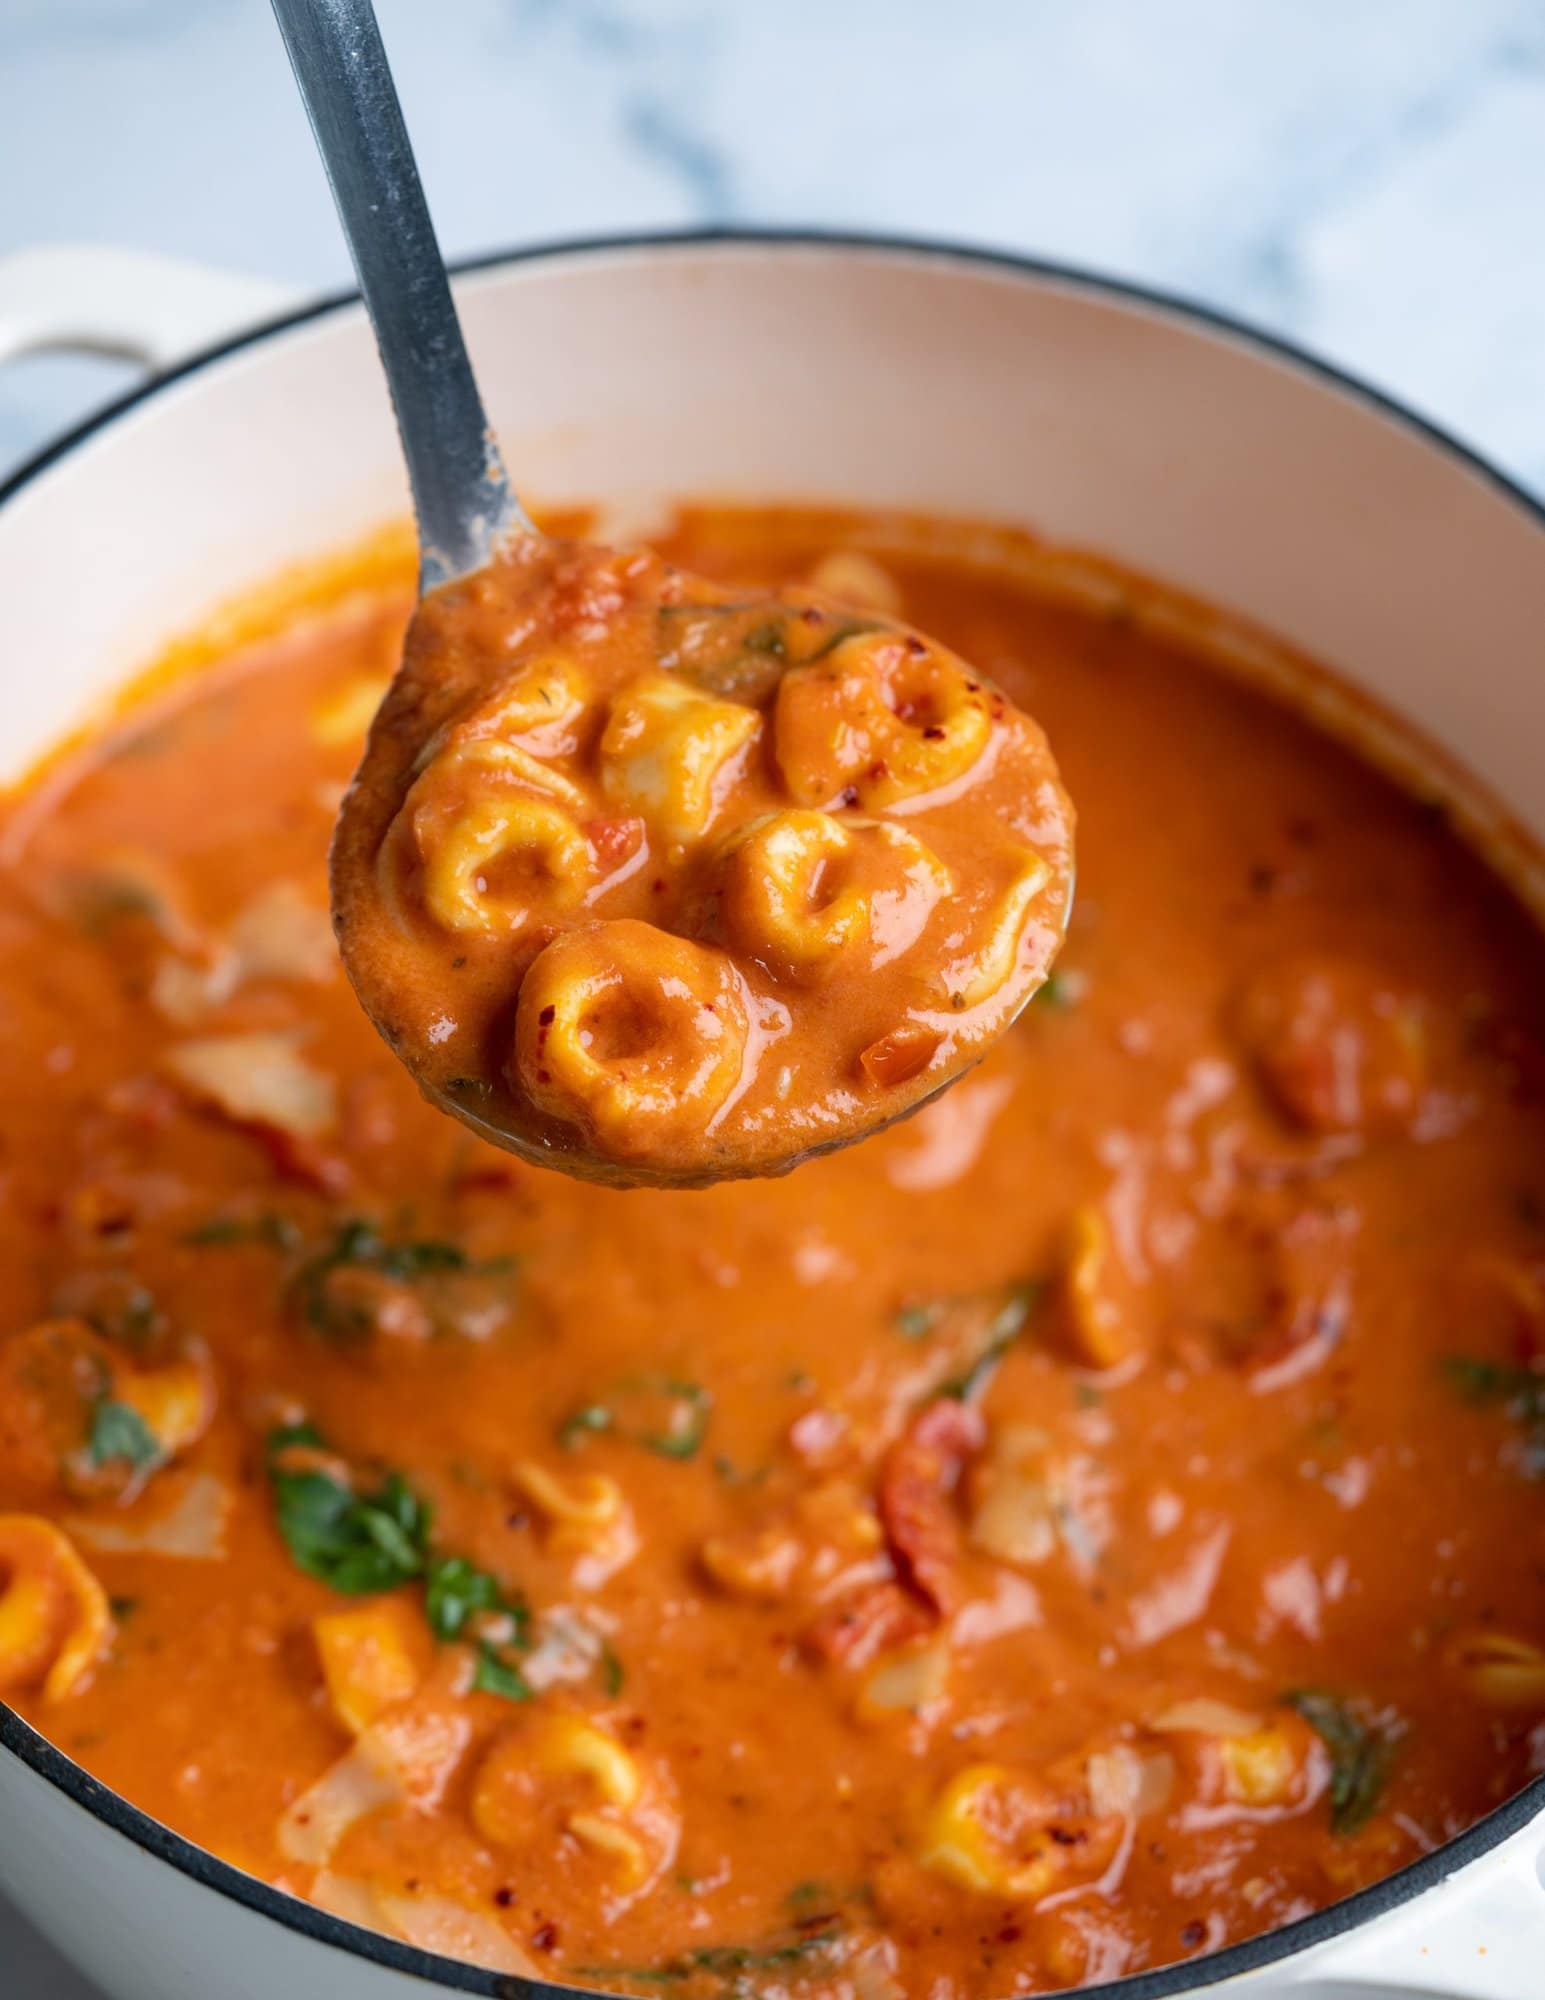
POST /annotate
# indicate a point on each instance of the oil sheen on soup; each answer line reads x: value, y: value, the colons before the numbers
x: 1091, y: 1523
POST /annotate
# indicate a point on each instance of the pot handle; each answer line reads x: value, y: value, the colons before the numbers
x: 133, y: 304
x: 1480, y: 1935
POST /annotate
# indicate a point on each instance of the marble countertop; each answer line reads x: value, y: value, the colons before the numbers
x: 1361, y: 175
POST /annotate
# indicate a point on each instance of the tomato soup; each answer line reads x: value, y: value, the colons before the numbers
x: 1094, y: 1521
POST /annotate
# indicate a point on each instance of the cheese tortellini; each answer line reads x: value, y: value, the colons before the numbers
x: 1004, y: 1832
x: 55, y: 1623
x: 668, y: 749
x: 566, y: 1773
x: 631, y: 1032
x: 883, y: 718
x: 803, y: 890
x: 507, y: 862
x: 677, y: 883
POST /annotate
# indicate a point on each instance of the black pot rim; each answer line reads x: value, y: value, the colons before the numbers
x: 1183, y: 1976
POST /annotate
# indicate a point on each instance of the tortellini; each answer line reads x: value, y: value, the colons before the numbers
x: 1003, y: 1832
x: 584, y: 1515
x: 677, y: 883
x: 668, y: 749
x: 631, y: 1032
x: 507, y: 862
x: 883, y: 718
x: 564, y: 1766
x: 803, y: 890
x: 55, y: 1623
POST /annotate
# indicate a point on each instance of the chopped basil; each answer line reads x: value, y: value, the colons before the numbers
x: 1008, y: 1320
x: 119, y: 1432
x: 663, y: 1413
x: 100, y: 900
x: 360, y: 1246
x: 1054, y: 991
x: 918, y: 1317
x: 1518, y: 1392
x: 268, y: 1227
x: 847, y: 628
x: 1359, y: 1754
x: 726, y: 1961
x: 768, y: 637
x: 355, y: 1543
x: 611, y: 1671
x: 493, y: 1674
x: 587, y: 1420
x: 360, y: 1544
x: 755, y: 1958
x: 1481, y: 1381
x: 455, y: 1589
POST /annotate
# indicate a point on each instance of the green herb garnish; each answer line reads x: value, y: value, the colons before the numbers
x: 360, y: 1246
x: 918, y: 1318
x: 493, y: 1674
x: 1007, y: 1323
x: 1518, y: 1392
x: 726, y: 1961
x: 1359, y: 1755
x: 268, y: 1227
x: 359, y: 1544
x: 663, y: 1413
x: 355, y: 1543
x: 98, y: 901
x: 119, y: 1432
x: 455, y: 1589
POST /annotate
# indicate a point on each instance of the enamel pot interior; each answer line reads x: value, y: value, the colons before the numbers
x: 790, y: 368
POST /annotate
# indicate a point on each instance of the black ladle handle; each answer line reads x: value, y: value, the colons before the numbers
x: 461, y: 493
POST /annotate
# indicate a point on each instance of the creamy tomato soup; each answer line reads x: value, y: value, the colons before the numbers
x: 671, y: 883
x: 1094, y: 1521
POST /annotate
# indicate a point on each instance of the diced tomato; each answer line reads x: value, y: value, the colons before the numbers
x: 900, y: 1055
x: 613, y: 841
x: 917, y: 1485
x: 868, y: 1622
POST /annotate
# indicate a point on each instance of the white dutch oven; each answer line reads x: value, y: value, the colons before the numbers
x: 805, y: 368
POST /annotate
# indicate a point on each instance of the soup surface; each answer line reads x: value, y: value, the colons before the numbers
x: 1090, y: 1523
x: 671, y: 882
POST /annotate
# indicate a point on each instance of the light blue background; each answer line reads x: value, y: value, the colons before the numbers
x: 1365, y: 176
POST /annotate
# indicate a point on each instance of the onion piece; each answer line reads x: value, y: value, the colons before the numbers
x: 283, y: 935
x: 907, y: 1681
x: 190, y: 1524
x: 311, y: 1828
x: 1129, y: 1782
x: 1205, y: 1717
x: 567, y: 1650
x: 186, y: 991
x: 1015, y: 1520
x: 406, y: 1757
x: 433, y: 1923
x: 257, y: 1079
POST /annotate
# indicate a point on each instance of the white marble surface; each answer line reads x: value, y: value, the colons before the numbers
x: 1362, y: 175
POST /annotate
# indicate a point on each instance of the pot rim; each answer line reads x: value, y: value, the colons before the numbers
x: 206, y: 1869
